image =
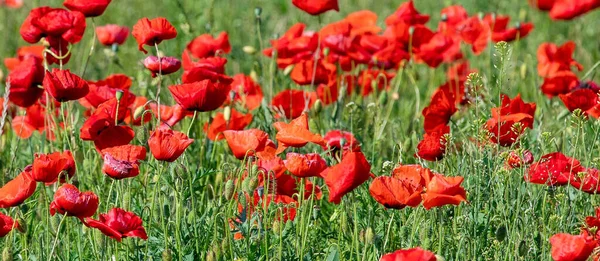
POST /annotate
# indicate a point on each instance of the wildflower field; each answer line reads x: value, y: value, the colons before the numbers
x: 300, y: 130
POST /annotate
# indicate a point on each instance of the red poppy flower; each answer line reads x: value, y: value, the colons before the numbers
x: 342, y: 178
x: 167, y: 145
x: 237, y: 121
x: 340, y: 140
x: 567, y: 10
x: 68, y: 200
x: 53, y: 23
x: 441, y: 190
x: 114, y: 136
x: 567, y: 247
x: 500, y: 126
x: 205, y: 95
x: 119, y: 224
x: 402, y: 189
x: 294, y: 46
x: 307, y: 73
x: 200, y: 73
x: 452, y: 16
x: 554, y: 169
x: 36, y: 51
x: 104, y: 90
x: 500, y: 30
x: 316, y: 7
x: 205, y: 45
x: 587, y: 180
x: 164, y: 65
x: 583, y: 99
x: 459, y: 71
x: 292, y: 103
x: 48, y: 167
x: 7, y: 224
x: 288, y: 185
x: 12, y: 3
x: 438, y: 49
x: 413, y: 254
x: 433, y: 145
x: 213, y: 63
x: 33, y: 120
x: 561, y: 82
x: 457, y: 89
x: 370, y: 79
x: 123, y: 161
x: 247, y: 142
x: 90, y: 8
x: 151, y: 32
x: 439, y: 111
x: 544, y: 5
x: 111, y: 34
x: 517, y: 159
x: 170, y: 115
x: 475, y: 32
x: 247, y: 91
x: 305, y: 165
x: 24, y: 82
x: 552, y: 59
x: 64, y: 85
x: 593, y: 221
x: 296, y: 134
x: 408, y: 14
x: 17, y: 190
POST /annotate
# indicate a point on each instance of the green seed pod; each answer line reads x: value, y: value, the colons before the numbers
x: 229, y: 189
x: 227, y: 113
x: 369, y: 236
x: 318, y: 106
x: 249, y: 49
x: 119, y: 95
x: 258, y: 11
x: 276, y: 227
x: 288, y: 69
x: 7, y: 254
x: 138, y: 112
x: 254, y: 75
x: 225, y: 245
x: 166, y: 255
x: 252, y: 185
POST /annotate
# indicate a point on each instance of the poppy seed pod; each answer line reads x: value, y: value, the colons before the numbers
x: 229, y: 189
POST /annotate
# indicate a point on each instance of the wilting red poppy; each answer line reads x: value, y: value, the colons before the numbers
x: 68, y: 200
x: 90, y: 8
x: 151, y: 32
x: 164, y: 65
x: 566, y: 9
x: 247, y: 91
x: 205, y: 95
x: 554, y: 169
x: 500, y: 126
x: 518, y: 158
x: 583, y: 99
x: 342, y: 178
x: 294, y: 46
x: 236, y: 121
x: 7, y: 224
x: 296, y: 134
x: 305, y: 165
x: 567, y: 247
x: 441, y: 190
x: 205, y: 45
x: 439, y: 111
x: 64, y: 85
x: 24, y: 82
x: 413, y: 254
x: 167, y: 144
x: 104, y: 90
x: 561, y: 82
x: 112, y: 34
x: 340, y: 140
x: 247, y: 142
x: 292, y: 103
x: 316, y: 7
x: 307, y: 72
x: 48, y: 167
x: 475, y: 32
x: 119, y: 224
x: 433, y: 145
x: 123, y: 161
x: 17, y: 190
x: 501, y: 32
x: 552, y: 59
x: 402, y: 189
x: 408, y: 14
x: 55, y: 24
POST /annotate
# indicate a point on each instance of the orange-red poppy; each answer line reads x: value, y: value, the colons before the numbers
x: 296, y: 134
x: 294, y: 46
x: 48, y: 167
x: 167, y: 144
x: 119, y: 224
x: 151, y: 32
x: 305, y: 165
x: 561, y: 82
x: 408, y: 14
x: 206, y: 95
x: 567, y: 9
x: 122, y: 161
x: 24, y: 80
x: 68, y: 200
x: 413, y: 254
x: 476, y: 33
x: 440, y: 110
x: 340, y: 140
x: 246, y: 142
x: 342, y: 178
x: 205, y: 45
x: 23, y: 52
x: 64, y: 85
x: 292, y: 103
x: 112, y: 34
x: 246, y: 91
x: 17, y: 190
x: 236, y: 121
x: 512, y: 111
x: 553, y: 59
x: 567, y: 247
x: 311, y: 72
x: 442, y: 190
x: 316, y: 7
x: 402, y: 189
x: 433, y: 145
x: 90, y: 8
